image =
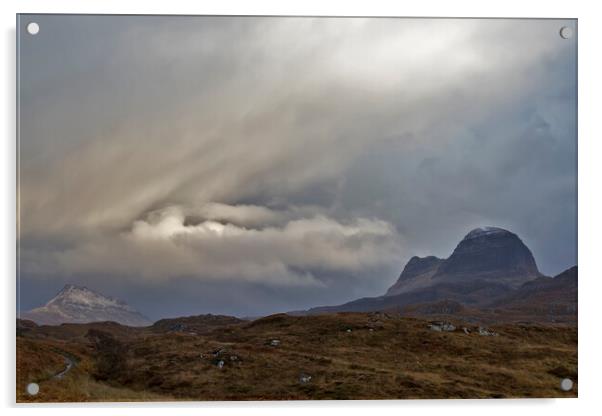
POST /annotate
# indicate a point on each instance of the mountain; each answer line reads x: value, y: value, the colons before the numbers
x: 418, y: 273
x: 485, y: 255
x: 77, y: 304
x: 490, y: 254
x: 490, y: 269
x: 545, y: 295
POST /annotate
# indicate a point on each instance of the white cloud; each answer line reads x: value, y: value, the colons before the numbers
x: 162, y: 246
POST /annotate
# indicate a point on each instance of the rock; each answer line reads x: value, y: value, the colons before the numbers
x: 304, y: 378
x: 466, y: 330
x: 275, y: 342
x: 220, y: 364
x: 448, y: 327
x: 486, y: 332
x: 440, y: 326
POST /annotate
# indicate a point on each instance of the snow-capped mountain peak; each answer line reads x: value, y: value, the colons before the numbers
x: 80, y: 295
x: 485, y: 231
x: 78, y: 304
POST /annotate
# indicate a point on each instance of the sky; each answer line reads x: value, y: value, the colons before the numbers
x: 253, y: 165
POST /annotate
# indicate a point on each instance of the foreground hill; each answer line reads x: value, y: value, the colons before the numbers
x: 281, y: 357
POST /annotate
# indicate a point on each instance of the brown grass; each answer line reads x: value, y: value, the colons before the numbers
x: 383, y: 357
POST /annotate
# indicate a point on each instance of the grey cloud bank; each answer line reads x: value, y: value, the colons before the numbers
x: 254, y: 165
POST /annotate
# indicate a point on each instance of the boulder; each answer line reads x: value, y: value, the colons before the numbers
x: 304, y: 378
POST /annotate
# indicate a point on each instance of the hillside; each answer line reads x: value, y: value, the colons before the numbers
x: 334, y: 356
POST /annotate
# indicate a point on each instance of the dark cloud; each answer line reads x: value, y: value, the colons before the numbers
x: 262, y: 164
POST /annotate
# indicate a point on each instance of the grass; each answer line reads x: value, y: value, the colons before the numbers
x: 382, y: 357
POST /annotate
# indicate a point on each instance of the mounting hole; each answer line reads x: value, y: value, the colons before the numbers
x: 566, y: 32
x: 33, y: 389
x: 33, y: 28
x: 566, y: 384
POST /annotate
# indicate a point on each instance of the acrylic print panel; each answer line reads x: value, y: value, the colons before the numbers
x: 278, y: 208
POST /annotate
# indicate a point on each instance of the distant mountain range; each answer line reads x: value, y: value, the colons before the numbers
x: 491, y: 271
x: 77, y: 304
x: 491, y: 274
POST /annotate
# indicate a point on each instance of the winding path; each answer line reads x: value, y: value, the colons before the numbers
x: 68, y: 361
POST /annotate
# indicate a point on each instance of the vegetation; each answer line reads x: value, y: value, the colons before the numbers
x: 347, y: 356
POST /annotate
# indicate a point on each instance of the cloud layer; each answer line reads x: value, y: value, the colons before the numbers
x: 282, y: 153
x: 165, y: 244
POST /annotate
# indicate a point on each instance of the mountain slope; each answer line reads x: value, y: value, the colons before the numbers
x: 490, y: 254
x: 490, y: 268
x: 477, y: 294
x: 77, y: 304
x: 418, y: 273
x: 551, y: 295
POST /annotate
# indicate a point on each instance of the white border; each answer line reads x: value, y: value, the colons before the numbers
x: 590, y: 207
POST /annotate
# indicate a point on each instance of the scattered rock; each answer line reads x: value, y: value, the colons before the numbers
x: 440, y: 326
x: 233, y: 358
x: 304, y: 378
x: 487, y: 332
x: 448, y: 327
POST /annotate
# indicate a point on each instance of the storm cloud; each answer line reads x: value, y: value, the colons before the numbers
x: 251, y: 165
